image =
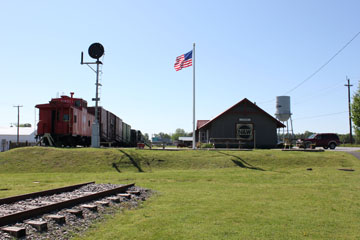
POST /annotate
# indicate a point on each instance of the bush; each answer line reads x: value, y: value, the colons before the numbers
x: 206, y: 145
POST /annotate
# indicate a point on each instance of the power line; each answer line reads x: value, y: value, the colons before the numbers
x: 320, y: 93
x: 319, y: 116
x: 267, y: 101
x: 314, y: 73
x: 324, y: 65
x: 308, y: 97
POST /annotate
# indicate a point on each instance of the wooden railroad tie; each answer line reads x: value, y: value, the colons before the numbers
x: 137, y: 193
x: 38, y: 225
x: 76, y: 212
x: 60, y: 219
x: 17, y: 232
x: 124, y: 195
x: 103, y: 203
x: 114, y: 199
x: 90, y: 207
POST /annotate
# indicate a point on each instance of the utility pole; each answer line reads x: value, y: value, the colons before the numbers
x: 18, y: 122
x: 348, y: 85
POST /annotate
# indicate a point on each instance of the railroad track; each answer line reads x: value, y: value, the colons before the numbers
x: 32, y: 211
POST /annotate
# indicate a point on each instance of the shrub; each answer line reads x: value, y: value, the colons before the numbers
x: 206, y: 145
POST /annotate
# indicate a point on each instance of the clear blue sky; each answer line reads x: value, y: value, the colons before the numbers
x: 245, y: 49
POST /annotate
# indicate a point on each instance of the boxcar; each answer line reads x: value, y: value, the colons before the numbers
x: 110, y: 130
x: 118, y: 124
x: 126, y: 132
x: 133, y: 137
x: 140, y: 137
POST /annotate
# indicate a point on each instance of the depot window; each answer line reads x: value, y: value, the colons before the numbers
x: 75, y: 118
x: 202, y: 136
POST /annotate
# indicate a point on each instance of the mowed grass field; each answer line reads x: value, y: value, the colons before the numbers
x: 260, y: 194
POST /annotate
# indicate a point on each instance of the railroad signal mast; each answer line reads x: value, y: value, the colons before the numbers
x: 96, y: 51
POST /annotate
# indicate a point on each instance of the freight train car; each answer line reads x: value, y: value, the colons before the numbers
x: 126, y: 135
x: 140, y: 137
x: 133, y: 137
x: 136, y: 137
x: 65, y: 121
x: 110, y: 126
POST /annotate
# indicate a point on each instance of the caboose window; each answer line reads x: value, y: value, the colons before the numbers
x: 75, y: 118
x: 77, y: 103
x: 89, y: 123
x: 66, y: 117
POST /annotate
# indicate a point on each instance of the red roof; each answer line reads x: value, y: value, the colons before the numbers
x: 201, y: 123
x: 245, y: 100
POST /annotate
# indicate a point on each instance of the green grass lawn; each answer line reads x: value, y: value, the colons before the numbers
x: 261, y: 194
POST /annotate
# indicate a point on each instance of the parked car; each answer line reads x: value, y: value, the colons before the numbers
x: 325, y: 140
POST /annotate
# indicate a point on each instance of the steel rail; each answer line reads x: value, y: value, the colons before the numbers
x: 42, y: 193
x: 20, y: 216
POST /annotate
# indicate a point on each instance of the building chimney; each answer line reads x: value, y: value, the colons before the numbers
x: 71, y: 94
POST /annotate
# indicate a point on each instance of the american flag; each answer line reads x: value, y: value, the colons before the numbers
x: 183, y: 61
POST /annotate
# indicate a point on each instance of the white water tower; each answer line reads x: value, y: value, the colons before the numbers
x: 283, y: 114
x: 283, y: 108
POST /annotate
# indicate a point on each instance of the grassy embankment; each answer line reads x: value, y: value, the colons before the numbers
x: 262, y: 194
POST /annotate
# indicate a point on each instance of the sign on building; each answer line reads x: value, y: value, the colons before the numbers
x: 245, y: 131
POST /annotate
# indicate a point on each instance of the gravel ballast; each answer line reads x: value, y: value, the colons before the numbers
x: 73, y: 224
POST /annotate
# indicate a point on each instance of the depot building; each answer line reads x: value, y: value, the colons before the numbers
x: 244, y: 125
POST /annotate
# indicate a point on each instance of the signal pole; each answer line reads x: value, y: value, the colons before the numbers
x: 96, y: 50
x: 18, y: 123
x: 348, y: 85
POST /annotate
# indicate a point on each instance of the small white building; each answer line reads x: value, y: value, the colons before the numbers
x: 9, y: 134
x: 187, y: 141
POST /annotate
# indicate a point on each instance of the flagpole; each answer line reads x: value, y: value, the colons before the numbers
x: 193, y: 57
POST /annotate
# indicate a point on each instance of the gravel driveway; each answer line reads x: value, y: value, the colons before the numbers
x: 345, y: 149
x: 355, y: 151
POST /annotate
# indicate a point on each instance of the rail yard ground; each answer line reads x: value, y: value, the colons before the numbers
x: 259, y: 194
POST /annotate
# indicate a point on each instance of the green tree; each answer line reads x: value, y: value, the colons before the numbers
x: 163, y: 135
x: 21, y: 125
x: 344, y: 138
x: 355, y: 112
x: 179, y: 132
x: 146, y: 137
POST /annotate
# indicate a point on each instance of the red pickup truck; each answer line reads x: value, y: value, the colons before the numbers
x: 325, y: 140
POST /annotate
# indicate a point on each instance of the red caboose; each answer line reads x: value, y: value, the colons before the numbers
x: 66, y: 120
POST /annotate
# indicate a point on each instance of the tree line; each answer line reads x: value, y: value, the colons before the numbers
x: 355, y: 114
x: 179, y: 132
